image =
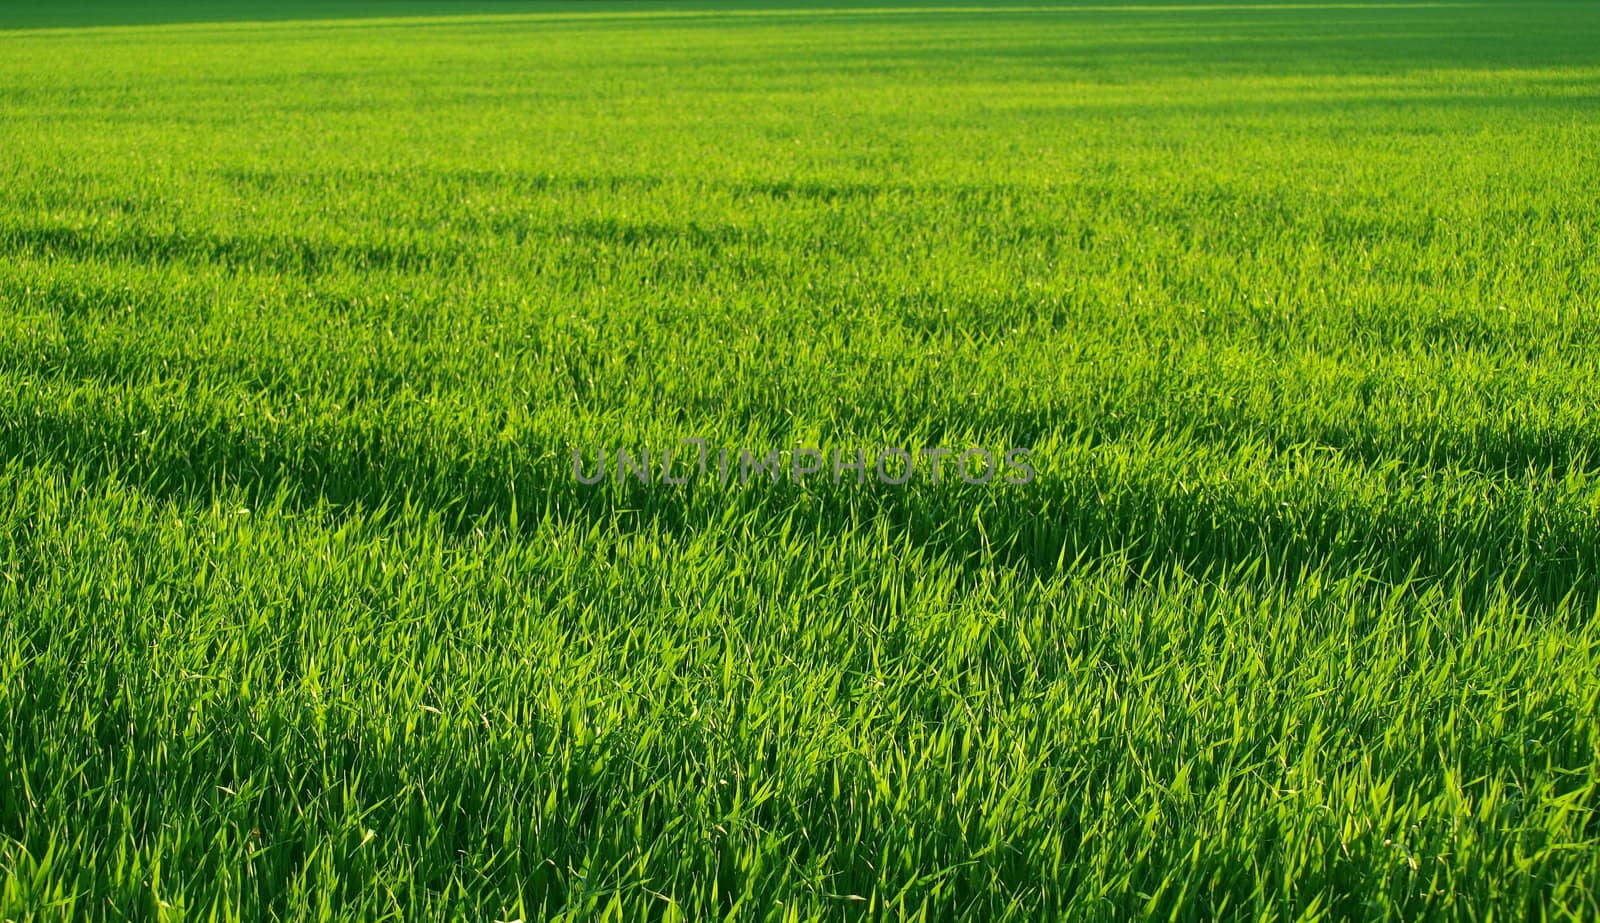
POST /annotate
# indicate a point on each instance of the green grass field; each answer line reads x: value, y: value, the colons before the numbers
x: 305, y: 307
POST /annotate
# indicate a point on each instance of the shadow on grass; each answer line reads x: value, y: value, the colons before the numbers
x: 279, y: 253
x: 1533, y: 543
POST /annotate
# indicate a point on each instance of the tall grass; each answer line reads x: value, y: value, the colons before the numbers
x: 306, y: 617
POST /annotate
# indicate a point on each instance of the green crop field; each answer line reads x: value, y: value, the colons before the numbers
x: 317, y: 320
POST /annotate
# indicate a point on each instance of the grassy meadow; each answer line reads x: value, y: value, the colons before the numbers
x: 304, y: 308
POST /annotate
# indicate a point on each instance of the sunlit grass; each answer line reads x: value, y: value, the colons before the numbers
x: 305, y: 615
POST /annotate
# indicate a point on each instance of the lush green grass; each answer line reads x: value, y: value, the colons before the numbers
x: 304, y: 615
